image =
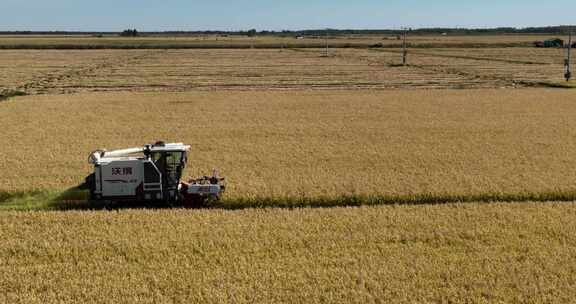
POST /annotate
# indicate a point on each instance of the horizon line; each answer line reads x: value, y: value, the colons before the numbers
x: 298, y: 30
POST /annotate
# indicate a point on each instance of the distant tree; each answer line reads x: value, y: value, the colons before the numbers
x: 251, y: 33
x: 129, y: 33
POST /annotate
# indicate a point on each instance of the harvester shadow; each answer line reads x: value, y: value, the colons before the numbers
x: 76, y: 199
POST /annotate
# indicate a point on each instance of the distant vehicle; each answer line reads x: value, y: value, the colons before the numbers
x: 550, y: 43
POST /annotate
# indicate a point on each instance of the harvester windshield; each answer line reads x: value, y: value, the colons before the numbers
x: 170, y: 164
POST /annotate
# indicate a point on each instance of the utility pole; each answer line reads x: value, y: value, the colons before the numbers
x: 326, y: 38
x: 567, y: 61
x: 404, y: 47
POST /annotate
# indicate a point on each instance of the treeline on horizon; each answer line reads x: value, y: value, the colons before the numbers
x: 563, y: 29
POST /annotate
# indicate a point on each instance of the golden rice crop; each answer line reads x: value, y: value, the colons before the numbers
x: 473, y: 253
x: 307, y: 144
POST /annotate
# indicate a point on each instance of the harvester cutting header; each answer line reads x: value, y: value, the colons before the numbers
x: 149, y: 173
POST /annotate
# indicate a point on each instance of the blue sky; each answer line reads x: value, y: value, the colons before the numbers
x: 114, y: 15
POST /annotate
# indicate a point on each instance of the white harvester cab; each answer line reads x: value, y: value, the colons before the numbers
x: 148, y: 173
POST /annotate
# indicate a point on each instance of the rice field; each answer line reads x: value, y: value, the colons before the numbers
x: 69, y: 71
x: 472, y: 253
x: 313, y: 144
x: 513, y: 67
x: 459, y: 166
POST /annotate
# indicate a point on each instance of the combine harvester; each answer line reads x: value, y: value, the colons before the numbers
x: 151, y: 173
